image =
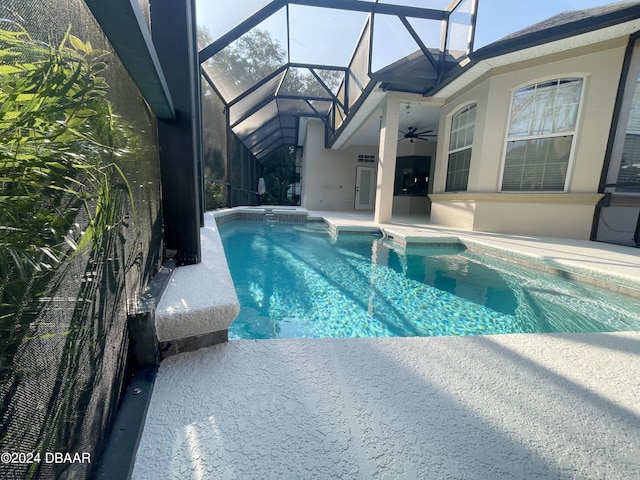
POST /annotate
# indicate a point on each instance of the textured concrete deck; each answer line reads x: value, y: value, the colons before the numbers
x: 495, y: 407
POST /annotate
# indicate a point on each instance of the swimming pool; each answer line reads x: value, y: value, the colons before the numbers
x: 298, y: 281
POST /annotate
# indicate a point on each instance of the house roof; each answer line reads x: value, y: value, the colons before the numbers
x: 565, y: 24
x: 565, y: 31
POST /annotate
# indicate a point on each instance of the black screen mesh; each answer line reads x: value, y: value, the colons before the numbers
x: 234, y: 169
x: 63, y: 337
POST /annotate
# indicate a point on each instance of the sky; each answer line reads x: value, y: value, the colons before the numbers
x: 497, y: 18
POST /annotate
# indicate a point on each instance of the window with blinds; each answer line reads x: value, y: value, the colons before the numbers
x: 460, y: 141
x: 540, y: 139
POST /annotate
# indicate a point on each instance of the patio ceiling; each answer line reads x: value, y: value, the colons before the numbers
x: 274, y: 62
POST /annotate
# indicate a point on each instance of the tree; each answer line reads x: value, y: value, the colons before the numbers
x: 234, y: 70
x: 256, y: 55
x: 279, y: 173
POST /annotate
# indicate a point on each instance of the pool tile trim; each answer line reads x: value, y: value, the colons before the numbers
x: 406, y: 236
x: 579, y: 275
x: 419, y: 236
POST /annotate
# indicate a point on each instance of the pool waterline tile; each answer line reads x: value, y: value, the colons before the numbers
x: 417, y: 231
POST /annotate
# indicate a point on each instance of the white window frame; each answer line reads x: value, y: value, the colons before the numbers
x: 469, y: 146
x: 573, y: 133
x: 366, y: 158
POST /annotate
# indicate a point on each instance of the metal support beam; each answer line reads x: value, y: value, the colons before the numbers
x: 230, y: 135
x: 253, y: 110
x: 371, y: 7
x: 240, y: 30
x: 119, y: 456
x: 255, y: 87
x: 418, y: 40
x: 390, y: 78
x: 325, y: 86
x: 350, y: 5
x: 206, y: 76
x: 124, y: 25
x: 174, y: 34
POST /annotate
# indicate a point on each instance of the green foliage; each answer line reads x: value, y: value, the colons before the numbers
x: 279, y: 173
x: 256, y: 55
x: 250, y: 58
x: 215, y: 194
x: 56, y: 129
x: 62, y: 198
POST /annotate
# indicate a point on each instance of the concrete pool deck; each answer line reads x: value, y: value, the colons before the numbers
x: 493, y: 407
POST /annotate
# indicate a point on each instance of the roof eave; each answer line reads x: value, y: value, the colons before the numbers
x: 558, y: 32
x: 511, y: 51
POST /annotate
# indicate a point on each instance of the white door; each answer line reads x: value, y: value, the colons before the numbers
x: 364, y: 188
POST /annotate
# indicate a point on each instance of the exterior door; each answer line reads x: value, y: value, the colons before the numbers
x: 365, y: 177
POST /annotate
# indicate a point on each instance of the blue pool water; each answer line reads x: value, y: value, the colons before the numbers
x: 297, y: 281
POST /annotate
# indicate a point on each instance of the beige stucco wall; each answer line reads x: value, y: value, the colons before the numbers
x: 545, y: 214
x: 600, y: 65
x: 410, y: 205
x: 545, y: 219
x: 329, y: 176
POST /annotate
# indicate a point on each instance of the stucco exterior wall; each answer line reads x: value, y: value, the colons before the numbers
x: 545, y: 219
x: 452, y: 212
x: 600, y: 66
x: 329, y: 176
x: 544, y: 214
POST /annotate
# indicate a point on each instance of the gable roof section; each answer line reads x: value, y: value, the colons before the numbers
x: 562, y: 32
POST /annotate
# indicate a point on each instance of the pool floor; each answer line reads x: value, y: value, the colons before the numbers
x: 296, y: 281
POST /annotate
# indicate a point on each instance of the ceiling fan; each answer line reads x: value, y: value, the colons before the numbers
x: 413, y: 133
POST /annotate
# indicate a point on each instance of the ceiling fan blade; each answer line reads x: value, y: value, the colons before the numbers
x: 412, y: 132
